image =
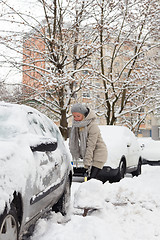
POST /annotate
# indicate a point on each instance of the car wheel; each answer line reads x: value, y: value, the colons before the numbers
x: 121, y: 171
x: 9, y: 225
x: 139, y: 169
x: 63, y: 204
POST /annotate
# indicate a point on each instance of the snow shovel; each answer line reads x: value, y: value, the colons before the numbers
x: 87, y: 174
x: 85, y: 177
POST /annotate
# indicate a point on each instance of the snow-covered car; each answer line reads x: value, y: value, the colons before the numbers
x: 124, y: 154
x: 150, y: 150
x: 35, y: 169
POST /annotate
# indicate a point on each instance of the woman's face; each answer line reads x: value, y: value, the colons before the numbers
x: 78, y: 116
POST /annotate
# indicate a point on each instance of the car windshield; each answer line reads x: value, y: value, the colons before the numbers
x: 10, y: 123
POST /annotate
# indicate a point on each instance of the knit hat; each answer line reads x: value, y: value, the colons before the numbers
x: 80, y: 108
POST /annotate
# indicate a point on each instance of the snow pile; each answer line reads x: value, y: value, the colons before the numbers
x: 129, y: 210
x: 93, y: 194
x: 134, y: 195
x: 87, y: 195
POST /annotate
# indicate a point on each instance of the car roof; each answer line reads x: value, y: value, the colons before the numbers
x: 18, y: 106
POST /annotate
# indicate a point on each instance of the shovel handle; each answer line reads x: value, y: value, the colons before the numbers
x: 85, y: 177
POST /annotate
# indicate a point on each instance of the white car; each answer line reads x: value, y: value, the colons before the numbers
x: 35, y: 169
x: 124, y: 154
x: 150, y: 150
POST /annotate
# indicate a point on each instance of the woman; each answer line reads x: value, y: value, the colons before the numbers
x: 85, y: 140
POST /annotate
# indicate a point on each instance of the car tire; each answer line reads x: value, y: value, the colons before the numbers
x: 139, y: 169
x: 63, y: 204
x: 121, y: 171
x: 9, y: 225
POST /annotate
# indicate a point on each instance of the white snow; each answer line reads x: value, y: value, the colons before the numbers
x: 128, y: 210
x: 150, y: 148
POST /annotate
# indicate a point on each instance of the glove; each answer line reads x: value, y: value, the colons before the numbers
x: 87, y: 171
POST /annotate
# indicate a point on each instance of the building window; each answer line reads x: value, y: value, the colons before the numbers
x: 86, y: 95
x: 85, y: 72
x: 159, y: 132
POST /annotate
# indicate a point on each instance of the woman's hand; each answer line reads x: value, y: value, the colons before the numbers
x: 87, y: 170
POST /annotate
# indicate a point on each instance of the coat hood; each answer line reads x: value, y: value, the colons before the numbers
x: 91, y: 115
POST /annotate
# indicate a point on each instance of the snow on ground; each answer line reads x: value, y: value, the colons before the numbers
x: 128, y: 210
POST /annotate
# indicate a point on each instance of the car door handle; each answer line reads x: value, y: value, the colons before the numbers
x: 56, y: 164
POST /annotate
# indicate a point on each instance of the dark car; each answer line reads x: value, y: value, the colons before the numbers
x: 35, y: 169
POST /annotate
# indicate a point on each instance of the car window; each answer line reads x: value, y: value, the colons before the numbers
x: 50, y: 126
x: 54, y: 131
x: 36, y: 125
x: 43, y: 126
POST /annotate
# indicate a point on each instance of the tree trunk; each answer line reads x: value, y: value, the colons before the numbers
x: 64, y: 124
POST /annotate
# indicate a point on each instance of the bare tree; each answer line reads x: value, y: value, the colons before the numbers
x: 55, y: 51
x: 128, y: 38
x: 114, y: 42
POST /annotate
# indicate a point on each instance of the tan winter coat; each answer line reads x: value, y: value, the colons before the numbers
x: 96, y: 150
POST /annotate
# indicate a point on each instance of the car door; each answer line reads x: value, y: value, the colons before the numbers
x: 132, y: 148
x: 47, y: 166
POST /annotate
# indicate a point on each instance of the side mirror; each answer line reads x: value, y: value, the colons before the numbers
x: 44, y: 146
